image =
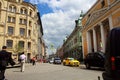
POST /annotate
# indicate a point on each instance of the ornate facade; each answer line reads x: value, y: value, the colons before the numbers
x: 20, y: 29
x: 97, y: 22
x: 72, y: 47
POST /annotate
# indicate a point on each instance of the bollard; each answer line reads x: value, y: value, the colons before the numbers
x: 98, y: 77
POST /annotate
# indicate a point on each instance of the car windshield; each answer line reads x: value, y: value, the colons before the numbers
x: 102, y: 54
x: 71, y: 58
x: 57, y: 58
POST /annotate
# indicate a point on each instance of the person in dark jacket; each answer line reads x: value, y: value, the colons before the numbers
x: 5, y: 58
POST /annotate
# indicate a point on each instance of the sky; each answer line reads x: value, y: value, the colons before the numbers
x: 58, y: 18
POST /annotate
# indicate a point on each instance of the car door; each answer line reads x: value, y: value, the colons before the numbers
x: 90, y: 59
x: 98, y: 60
x: 67, y: 61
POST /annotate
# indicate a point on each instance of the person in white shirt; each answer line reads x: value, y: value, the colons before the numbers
x: 22, y: 58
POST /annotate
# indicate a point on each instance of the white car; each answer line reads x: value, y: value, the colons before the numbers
x: 51, y: 61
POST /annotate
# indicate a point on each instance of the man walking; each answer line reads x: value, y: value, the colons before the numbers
x: 5, y: 58
x: 22, y: 58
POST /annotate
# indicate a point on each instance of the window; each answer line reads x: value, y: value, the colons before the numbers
x: 30, y: 13
x: 75, y: 40
x: 80, y: 39
x: 29, y: 33
x: 12, y: 8
x: 21, y: 44
x: 11, y: 19
x: 102, y: 3
x: 9, y: 43
x: 23, y: 10
x: 22, y: 31
x: 30, y: 23
x: 18, y: 0
x: 20, y: 21
x: 23, y: 21
x: 10, y: 30
x: 29, y: 45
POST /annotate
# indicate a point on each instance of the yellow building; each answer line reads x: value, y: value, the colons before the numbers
x: 19, y: 27
x: 97, y: 22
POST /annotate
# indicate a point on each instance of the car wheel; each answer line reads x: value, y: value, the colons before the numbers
x: 87, y: 66
x: 77, y: 65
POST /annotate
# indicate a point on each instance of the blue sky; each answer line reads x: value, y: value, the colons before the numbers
x: 58, y: 18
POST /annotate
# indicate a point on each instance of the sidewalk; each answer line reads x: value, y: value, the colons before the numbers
x: 17, y: 65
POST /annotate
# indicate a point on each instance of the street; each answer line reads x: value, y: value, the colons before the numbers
x: 46, y: 71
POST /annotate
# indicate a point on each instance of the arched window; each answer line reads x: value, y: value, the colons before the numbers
x: 30, y: 13
x: 23, y: 10
x: 12, y: 8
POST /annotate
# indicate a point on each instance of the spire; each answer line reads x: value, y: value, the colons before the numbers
x: 79, y: 19
x: 81, y: 15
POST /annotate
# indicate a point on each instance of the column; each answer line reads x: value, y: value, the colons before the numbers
x: 83, y: 46
x: 89, y: 42
x: 110, y: 22
x: 102, y: 37
x: 94, y: 40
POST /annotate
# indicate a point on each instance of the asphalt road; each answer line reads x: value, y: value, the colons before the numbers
x: 46, y: 71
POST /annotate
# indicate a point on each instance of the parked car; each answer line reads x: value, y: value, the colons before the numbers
x: 57, y: 61
x: 51, y: 61
x: 95, y: 59
x: 112, y: 65
x: 71, y: 62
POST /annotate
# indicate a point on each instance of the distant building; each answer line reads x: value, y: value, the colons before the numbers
x: 97, y: 22
x: 59, y: 52
x: 72, y: 46
x: 20, y: 28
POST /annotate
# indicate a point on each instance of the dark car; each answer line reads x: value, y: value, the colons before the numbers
x: 95, y: 59
x: 112, y: 62
x: 57, y: 61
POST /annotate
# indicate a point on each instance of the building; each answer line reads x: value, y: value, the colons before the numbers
x: 41, y: 47
x: 97, y: 22
x: 72, y: 47
x: 20, y: 28
x: 59, y: 52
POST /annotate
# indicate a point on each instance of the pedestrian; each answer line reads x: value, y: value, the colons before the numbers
x: 22, y: 61
x: 5, y: 58
x: 33, y: 61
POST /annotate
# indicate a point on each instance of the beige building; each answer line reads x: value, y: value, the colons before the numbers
x: 103, y: 16
x: 19, y: 27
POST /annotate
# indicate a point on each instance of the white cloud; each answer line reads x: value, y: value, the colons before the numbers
x: 60, y: 23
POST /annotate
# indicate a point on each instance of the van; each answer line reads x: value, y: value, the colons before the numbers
x: 112, y: 54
